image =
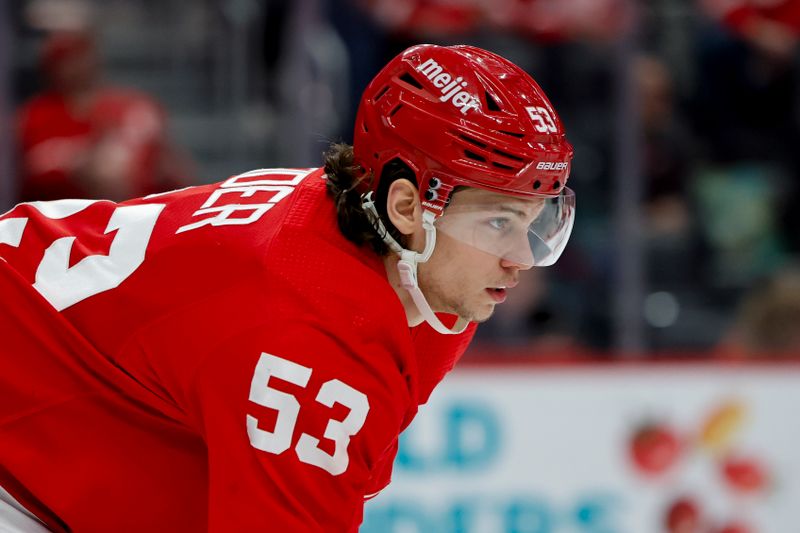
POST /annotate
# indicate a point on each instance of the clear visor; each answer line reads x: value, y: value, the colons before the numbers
x: 527, y: 231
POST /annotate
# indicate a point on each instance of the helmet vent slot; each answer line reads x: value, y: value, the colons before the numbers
x: 472, y: 155
x: 380, y: 94
x: 513, y: 134
x: 409, y: 79
x: 473, y: 141
x: 501, y: 165
x: 507, y: 155
x: 395, y: 110
x: 491, y: 103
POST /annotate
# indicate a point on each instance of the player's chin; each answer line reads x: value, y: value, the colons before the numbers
x: 477, y: 310
x: 481, y: 313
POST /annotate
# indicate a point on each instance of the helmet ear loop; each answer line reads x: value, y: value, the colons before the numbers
x: 409, y: 256
x: 368, y: 205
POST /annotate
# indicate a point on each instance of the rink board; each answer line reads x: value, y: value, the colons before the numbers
x: 531, y: 449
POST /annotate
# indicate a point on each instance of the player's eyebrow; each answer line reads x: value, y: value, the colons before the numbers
x: 514, y: 210
x: 519, y: 212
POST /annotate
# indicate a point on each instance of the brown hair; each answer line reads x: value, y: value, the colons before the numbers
x: 343, y: 183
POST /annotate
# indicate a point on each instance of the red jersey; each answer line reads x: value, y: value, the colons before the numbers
x: 215, y: 358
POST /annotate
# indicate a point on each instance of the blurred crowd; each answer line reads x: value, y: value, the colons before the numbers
x: 81, y: 138
x: 128, y: 97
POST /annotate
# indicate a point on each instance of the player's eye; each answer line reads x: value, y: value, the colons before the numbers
x: 499, y: 223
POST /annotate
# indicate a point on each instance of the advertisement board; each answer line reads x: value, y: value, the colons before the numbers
x: 600, y: 449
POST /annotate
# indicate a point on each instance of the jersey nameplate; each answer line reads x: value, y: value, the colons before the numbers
x: 255, y: 193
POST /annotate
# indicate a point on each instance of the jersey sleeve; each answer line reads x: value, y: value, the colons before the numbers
x: 295, y: 415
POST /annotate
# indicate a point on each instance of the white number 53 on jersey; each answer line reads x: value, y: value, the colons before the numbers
x: 307, y: 448
x: 63, y: 285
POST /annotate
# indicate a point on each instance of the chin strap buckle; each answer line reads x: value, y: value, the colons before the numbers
x: 408, y: 275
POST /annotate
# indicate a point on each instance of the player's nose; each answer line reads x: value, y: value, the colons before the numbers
x: 520, y: 256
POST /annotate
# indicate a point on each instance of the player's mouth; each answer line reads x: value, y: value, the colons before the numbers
x: 498, y: 294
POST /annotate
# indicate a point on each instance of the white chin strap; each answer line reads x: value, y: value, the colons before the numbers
x: 407, y: 265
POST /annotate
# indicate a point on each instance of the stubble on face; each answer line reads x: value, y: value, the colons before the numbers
x: 454, y: 284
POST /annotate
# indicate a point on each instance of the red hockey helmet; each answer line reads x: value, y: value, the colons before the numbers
x: 460, y: 115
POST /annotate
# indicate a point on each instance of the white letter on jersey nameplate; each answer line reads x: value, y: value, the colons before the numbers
x: 246, y: 185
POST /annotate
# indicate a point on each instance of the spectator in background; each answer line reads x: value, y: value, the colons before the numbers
x: 771, y: 26
x: 544, y: 20
x: 768, y: 322
x: 666, y: 151
x: 674, y: 248
x: 748, y: 104
x: 82, y: 139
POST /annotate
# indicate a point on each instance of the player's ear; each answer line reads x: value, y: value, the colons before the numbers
x: 403, y: 208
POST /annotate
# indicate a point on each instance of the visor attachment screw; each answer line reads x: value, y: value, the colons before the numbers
x: 431, y: 195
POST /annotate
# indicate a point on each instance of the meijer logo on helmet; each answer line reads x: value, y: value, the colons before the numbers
x: 451, y: 88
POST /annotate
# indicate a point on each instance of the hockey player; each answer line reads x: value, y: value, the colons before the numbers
x: 242, y: 356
